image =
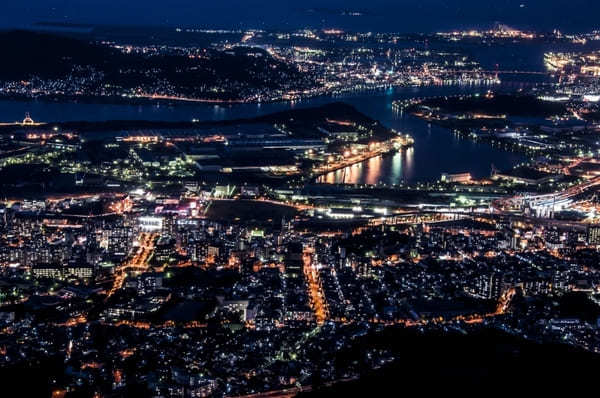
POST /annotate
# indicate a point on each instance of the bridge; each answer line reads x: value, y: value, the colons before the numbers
x: 545, y: 205
x: 504, y: 72
x: 440, y: 216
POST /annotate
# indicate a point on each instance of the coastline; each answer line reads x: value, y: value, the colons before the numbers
x: 149, y: 99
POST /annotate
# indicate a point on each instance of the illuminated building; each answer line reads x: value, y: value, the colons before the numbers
x: 45, y: 270
x: 460, y: 177
x: 489, y: 286
x: 165, y: 249
x: 119, y: 239
x: 150, y: 224
x: 169, y: 225
x: 593, y: 235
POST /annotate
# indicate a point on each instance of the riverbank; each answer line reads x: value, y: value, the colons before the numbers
x: 435, y: 151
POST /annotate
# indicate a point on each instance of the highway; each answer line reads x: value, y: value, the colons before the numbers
x: 500, y: 206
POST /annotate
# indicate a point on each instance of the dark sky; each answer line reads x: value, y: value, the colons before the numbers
x: 398, y: 15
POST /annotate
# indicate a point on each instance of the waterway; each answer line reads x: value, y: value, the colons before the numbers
x: 436, y: 150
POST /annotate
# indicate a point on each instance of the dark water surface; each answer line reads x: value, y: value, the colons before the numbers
x: 436, y: 150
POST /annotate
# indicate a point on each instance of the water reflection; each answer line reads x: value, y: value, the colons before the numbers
x: 397, y: 168
x: 436, y: 150
x: 373, y: 170
x: 388, y: 169
x: 408, y: 165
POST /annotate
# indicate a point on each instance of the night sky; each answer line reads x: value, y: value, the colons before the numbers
x: 399, y: 15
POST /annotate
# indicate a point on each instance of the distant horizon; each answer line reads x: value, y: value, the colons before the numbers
x: 380, y: 15
x: 39, y: 26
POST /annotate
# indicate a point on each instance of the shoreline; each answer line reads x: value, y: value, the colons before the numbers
x: 164, y: 99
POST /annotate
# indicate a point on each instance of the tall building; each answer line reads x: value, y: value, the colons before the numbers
x: 164, y: 250
x: 489, y: 286
x: 169, y: 225
x: 119, y: 239
x: 593, y: 235
x: 293, y: 259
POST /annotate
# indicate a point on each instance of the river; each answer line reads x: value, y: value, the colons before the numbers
x: 436, y: 150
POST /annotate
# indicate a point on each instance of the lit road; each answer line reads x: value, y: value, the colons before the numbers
x: 138, y: 263
x: 315, y: 289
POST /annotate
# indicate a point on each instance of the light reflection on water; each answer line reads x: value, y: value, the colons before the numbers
x: 389, y: 169
x: 436, y: 150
